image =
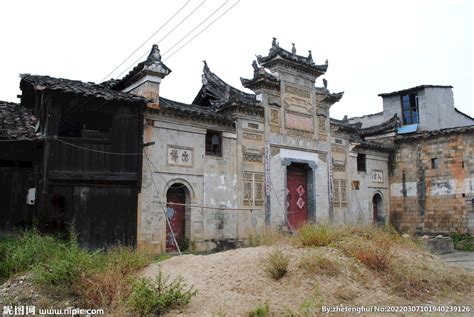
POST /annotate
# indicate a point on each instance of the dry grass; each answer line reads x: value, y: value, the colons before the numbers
x: 318, y: 263
x: 311, y: 235
x: 267, y: 237
x: 277, y: 264
x: 374, y: 254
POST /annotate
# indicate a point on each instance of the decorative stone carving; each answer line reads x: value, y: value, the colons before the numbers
x: 339, y: 165
x: 274, y: 129
x: 275, y: 117
x: 299, y: 133
x: 338, y: 149
x: 252, y: 125
x: 297, y: 91
x: 274, y: 101
x: 252, y: 136
x: 180, y: 156
x: 252, y: 157
x: 298, y: 104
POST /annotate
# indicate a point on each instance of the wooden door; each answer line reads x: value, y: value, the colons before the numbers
x: 297, y: 200
x: 175, y: 211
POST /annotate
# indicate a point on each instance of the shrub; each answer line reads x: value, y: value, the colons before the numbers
x: 112, y: 282
x: 311, y: 235
x: 64, y: 268
x: 260, y: 311
x: 463, y: 242
x: 319, y: 263
x: 277, y: 264
x: 30, y: 248
x: 374, y: 254
x: 158, y: 296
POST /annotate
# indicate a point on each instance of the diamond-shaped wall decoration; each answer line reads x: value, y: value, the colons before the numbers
x: 300, y: 190
x: 300, y: 203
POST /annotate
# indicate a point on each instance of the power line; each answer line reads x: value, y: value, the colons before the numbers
x: 209, y: 16
x: 162, y: 207
x: 215, y: 20
x: 183, y: 20
x: 96, y: 151
x: 148, y: 39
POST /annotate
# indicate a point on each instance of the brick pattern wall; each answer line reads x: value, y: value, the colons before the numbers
x: 432, y: 182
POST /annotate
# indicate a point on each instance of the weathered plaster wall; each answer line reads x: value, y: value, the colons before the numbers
x: 209, y: 180
x: 434, y: 199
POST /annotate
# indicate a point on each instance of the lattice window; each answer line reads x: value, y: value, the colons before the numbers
x: 253, y: 189
x: 339, y: 198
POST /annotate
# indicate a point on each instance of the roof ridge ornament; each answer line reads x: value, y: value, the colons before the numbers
x: 293, y: 49
x: 255, y: 65
x: 154, y: 53
x: 275, y: 43
x: 310, y: 56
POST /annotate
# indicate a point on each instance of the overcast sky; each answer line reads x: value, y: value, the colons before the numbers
x: 372, y: 46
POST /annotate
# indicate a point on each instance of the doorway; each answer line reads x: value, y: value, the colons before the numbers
x: 378, y: 210
x: 297, y: 195
x: 175, y: 212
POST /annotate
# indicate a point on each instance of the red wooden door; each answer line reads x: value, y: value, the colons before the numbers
x: 297, y: 201
x: 175, y: 198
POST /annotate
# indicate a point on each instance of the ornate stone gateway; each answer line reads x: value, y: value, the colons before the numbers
x: 175, y: 212
x: 297, y: 202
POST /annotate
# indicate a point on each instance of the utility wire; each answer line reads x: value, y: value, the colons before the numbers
x: 161, y: 203
x: 215, y: 20
x: 147, y: 40
x: 164, y: 37
x: 208, y: 17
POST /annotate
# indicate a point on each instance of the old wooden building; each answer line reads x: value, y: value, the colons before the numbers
x: 71, y: 155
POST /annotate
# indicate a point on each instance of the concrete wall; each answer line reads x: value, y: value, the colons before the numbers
x: 434, y: 199
x: 436, y: 107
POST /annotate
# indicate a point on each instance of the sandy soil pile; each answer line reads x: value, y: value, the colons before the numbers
x: 234, y: 283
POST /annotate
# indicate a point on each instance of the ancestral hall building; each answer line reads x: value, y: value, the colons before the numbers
x: 209, y: 173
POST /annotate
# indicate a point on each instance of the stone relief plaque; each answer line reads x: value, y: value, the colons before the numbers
x: 377, y: 176
x: 297, y: 91
x: 299, y: 133
x: 252, y: 157
x: 275, y: 117
x: 298, y: 122
x: 298, y: 104
x: 181, y: 156
x: 252, y: 136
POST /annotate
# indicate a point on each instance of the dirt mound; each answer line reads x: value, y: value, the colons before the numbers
x: 234, y: 282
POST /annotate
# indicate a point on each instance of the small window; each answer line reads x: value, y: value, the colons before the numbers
x: 434, y: 162
x: 410, y: 113
x: 361, y: 162
x: 213, y: 143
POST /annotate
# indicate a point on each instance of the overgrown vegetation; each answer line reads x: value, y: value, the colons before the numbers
x: 463, y: 242
x: 260, y: 311
x: 277, y: 264
x: 311, y: 235
x: 156, y: 297
x: 94, y: 279
x: 318, y: 263
x: 267, y: 237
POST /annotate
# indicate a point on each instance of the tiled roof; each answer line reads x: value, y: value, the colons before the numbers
x: 78, y: 87
x: 435, y: 133
x: 16, y: 122
x: 152, y: 64
x: 215, y: 89
x: 193, y: 110
x: 388, y: 126
x: 305, y: 63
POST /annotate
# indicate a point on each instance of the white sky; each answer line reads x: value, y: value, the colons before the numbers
x: 372, y: 46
